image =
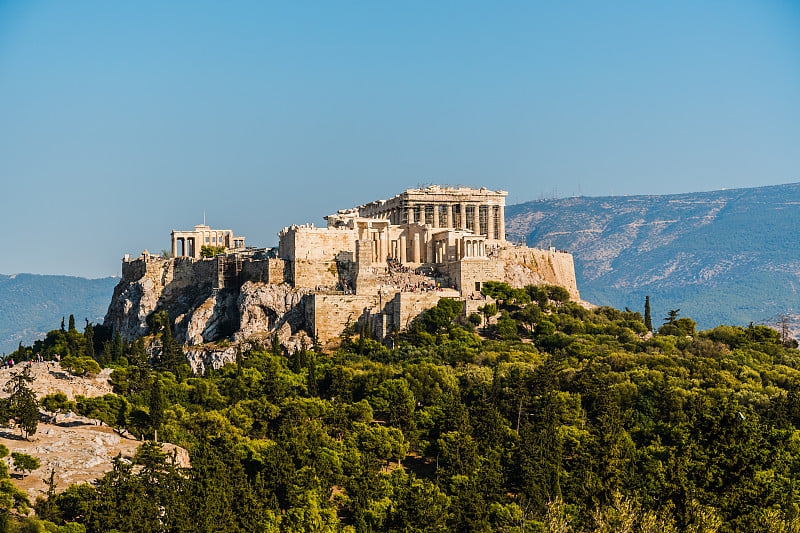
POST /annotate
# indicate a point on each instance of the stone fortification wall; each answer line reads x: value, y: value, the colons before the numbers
x: 318, y: 257
x: 327, y: 315
x: 315, y: 244
x: 265, y: 271
x: 468, y: 274
x: 517, y: 267
x: 312, y: 274
x: 407, y: 306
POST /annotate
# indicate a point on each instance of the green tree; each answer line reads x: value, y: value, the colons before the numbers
x: 172, y: 356
x: 117, y: 347
x: 648, y: 321
x: 71, y: 323
x: 156, y: 406
x: 672, y: 316
x: 22, y: 401
x: 488, y: 311
x: 24, y: 462
x: 88, y: 344
x: 211, y: 251
x: 311, y: 379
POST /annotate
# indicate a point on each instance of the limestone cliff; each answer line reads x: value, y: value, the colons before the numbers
x: 531, y: 266
x: 200, y: 311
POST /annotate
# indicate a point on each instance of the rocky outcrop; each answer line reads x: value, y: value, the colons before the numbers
x: 213, y: 319
x: 264, y: 307
x: 205, y: 308
x: 201, y: 358
x: 529, y: 266
x: 132, y: 303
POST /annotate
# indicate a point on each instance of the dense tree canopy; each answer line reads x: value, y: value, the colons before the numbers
x: 554, y: 418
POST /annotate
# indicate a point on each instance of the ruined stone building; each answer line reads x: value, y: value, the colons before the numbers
x: 189, y: 243
x: 380, y: 264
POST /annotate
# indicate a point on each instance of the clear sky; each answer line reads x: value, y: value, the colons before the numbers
x: 120, y: 121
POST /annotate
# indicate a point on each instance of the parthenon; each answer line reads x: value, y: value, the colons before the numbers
x: 480, y: 211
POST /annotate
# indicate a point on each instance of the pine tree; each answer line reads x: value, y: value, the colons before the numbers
x: 172, y: 357
x: 62, y: 325
x: 648, y: 321
x: 117, y: 348
x: 71, y: 323
x: 312, y: 375
x: 156, y: 405
x: 88, y: 347
x: 23, y: 406
x: 275, y: 345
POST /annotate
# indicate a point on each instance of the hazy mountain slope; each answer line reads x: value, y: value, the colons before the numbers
x: 721, y: 257
x: 31, y: 305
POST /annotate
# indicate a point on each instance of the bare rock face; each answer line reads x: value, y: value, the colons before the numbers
x: 203, y: 312
x: 263, y: 307
x: 213, y: 319
x: 130, y: 306
x: 534, y: 267
x: 202, y: 358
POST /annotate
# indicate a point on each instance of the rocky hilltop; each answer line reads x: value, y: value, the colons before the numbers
x: 721, y: 257
x: 230, y: 297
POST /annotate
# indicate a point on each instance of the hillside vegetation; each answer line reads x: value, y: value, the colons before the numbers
x: 30, y: 304
x: 722, y: 257
x: 550, y: 418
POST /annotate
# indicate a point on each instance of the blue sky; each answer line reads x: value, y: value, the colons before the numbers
x: 122, y: 120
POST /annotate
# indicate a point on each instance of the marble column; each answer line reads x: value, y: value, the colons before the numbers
x: 463, y: 221
x: 477, y: 221
x: 403, y: 248
x: 449, y: 215
x: 502, y: 223
x: 490, y: 222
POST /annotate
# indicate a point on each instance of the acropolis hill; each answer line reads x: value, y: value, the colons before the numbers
x: 380, y: 264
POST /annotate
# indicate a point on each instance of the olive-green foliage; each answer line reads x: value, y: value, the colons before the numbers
x: 560, y: 418
x: 24, y: 462
x: 211, y: 251
x: 80, y: 365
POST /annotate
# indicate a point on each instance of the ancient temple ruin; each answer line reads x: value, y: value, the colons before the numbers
x: 380, y: 265
x: 189, y: 243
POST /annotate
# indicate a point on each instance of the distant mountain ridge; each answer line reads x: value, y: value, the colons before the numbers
x: 31, y: 304
x: 728, y: 256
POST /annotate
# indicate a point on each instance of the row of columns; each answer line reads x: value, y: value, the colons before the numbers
x: 474, y: 248
x: 463, y: 248
x: 399, y: 249
x: 187, y: 246
x: 492, y: 211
